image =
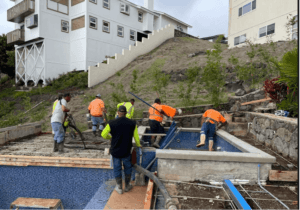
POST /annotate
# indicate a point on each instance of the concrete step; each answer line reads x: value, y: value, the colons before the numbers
x: 237, y: 128
x: 239, y: 119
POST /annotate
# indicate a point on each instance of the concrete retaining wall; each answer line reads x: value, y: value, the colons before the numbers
x: 278, y: 133
x: 103, y: 71
x: 19, y: 132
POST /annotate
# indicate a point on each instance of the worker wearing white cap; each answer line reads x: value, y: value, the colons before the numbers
x: 96, y: 109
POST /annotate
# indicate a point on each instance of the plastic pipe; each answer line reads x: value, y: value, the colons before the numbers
x: 169, y: 203
x: 267, y: 190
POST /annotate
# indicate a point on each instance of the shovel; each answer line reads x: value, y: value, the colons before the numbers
x: 139, y: 177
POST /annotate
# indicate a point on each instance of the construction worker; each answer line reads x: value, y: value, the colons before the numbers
x: 129, y: 106
x: 96, y: 109
x: 156, y: 117
x: 57, y: 120
x: 122, y: 130
x: 54, y: 105
x: 210, y: 120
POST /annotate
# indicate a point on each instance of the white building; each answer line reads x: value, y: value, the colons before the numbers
x: 56, y: 36
x: 260, y: 20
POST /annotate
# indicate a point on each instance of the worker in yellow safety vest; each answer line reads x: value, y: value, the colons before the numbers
x: 156, y: 117
x: 129, y: 106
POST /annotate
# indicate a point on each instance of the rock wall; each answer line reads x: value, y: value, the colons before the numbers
x: 183, y: 34
x: 278, y: 133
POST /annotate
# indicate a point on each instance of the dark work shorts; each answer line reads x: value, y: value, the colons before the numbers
x: 155, y: 127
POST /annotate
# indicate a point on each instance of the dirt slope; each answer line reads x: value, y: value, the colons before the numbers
x: 175, y: 52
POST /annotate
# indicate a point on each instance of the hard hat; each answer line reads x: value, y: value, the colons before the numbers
x: 179, y: 111
x: 98, y: 95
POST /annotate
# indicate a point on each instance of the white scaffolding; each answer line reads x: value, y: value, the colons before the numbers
x: 30, y: 62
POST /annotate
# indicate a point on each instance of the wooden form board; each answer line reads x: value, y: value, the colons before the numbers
x: 19, y: 160
x: 74, y: 2
x: 256, y: 101
x: 287, y: 176
x: 78, y: 23
x: 36, y: 203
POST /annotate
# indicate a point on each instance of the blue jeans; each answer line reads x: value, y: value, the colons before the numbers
x: 118, y: 166
x: 209, y: 130
x: 59, y: 133
x: 96, y: 121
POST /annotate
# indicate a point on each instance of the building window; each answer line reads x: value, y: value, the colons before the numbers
x: 22, y: 26
x: 93, y: 22
x: 179, y: 28
x: 295, y: 29
x: 105, y: 26
x: 65, y: 26
x: 254, y: 5
x: 140, y: 17
x: 125, y: 8
x: 120, y: 31
x: 240, y: 39
x: 267, y: 30
x: 93, y: 1
x: 247, y: 8
x: 106, y: 4
x: 132, y: 35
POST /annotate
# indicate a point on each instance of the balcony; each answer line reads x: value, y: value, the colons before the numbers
x: 18, y: 12
x: 16, y: 37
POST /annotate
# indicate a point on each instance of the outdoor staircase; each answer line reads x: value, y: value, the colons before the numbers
x: 238, y: 126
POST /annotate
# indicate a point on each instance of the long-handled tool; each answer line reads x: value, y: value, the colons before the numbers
x: 175, y: 135
x: 140, y: 177
x: 147, y: 103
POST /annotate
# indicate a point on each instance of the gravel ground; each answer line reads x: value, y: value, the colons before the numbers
x: 43, y: 146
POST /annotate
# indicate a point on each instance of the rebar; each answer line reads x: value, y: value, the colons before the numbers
x: 200, y: 198
x: 258, y: 173
x: 250, y: 196
x: 192, y: 183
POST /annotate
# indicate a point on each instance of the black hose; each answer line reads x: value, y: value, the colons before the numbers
x: 169, y: 203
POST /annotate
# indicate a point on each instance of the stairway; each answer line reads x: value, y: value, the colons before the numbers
x: 238, y: 126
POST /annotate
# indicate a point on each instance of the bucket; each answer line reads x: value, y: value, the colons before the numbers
x: 88, y: 117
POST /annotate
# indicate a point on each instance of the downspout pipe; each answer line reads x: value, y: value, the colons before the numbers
x: 258, y: 181
x: 169, y: 203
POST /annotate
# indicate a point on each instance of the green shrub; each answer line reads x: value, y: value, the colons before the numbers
x: 4, y: 79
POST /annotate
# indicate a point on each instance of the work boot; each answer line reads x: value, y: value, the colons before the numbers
x: 119, y: 185
x: 95, y: 133
x: 128, y: 186
x: 100, y: 132
x: 61, y: 147
x: 55, y: 146
x: 152, y: 140
x: 156, y: 143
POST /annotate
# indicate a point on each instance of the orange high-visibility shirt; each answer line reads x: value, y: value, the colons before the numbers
x: 168, y: 110
x: 96, y: 107
x: 215, y: 115
x: 155, y: 115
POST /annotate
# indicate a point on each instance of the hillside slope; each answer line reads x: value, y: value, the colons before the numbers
x: 173, y: 58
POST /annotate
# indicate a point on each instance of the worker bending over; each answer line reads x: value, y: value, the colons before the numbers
x: 156, y: 117
x: 96, y: 109
x: 129, y: 106
x: 57, y: 120
x: 210, y: 120
x: 122, y: 130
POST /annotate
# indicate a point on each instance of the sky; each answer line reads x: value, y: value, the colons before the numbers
x: 208, y: 17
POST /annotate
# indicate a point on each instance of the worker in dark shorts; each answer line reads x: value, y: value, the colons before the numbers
x: 210, y: 120
x: 122, y: 130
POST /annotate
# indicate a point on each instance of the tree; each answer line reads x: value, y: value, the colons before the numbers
x: 7, y: 57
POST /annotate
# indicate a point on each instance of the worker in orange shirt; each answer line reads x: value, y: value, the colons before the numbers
x: 210, y: 120
x: 156, y: 117
x: 96, y: 109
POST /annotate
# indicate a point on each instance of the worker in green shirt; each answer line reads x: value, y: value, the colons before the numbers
x: 122, y: 130
x: 129, y: 106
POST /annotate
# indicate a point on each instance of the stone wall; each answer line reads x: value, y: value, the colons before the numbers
x: 183, y: 34
x: 278, y: 133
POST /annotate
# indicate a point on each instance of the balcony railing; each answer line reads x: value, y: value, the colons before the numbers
x: 18, y: 12
x: 16, y: 37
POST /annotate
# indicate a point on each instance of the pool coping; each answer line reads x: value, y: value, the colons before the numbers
x: 250, y: 153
